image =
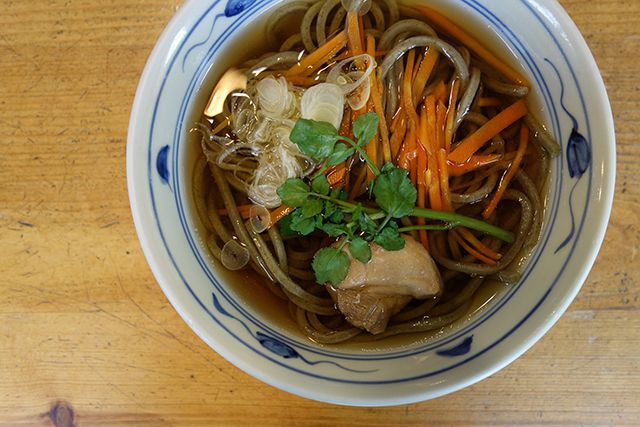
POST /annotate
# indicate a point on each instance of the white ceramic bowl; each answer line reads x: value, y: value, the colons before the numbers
x: 195, y: 49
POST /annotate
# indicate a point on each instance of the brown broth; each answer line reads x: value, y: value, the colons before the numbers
x: 248, y: 287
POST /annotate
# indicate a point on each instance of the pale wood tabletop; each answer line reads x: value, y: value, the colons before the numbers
x: 83, y: 324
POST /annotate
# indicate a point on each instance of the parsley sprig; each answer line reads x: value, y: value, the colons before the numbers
x: 319, y: 207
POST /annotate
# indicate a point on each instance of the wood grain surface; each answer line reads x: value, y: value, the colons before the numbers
x: 88, y: 338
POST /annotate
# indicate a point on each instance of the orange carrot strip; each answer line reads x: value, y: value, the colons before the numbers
x: 353, y: 33
x: 407, y: 98
x: 441, y: 117
x: 357, y: 186
x: 399, y: 132
x: 475, y: 162
x: 424, y: 72
x: 444, y: 180
x: 422, y: 172
x: 242, y: 209
x: 466, y: 39
x: 497, y: 124
x: 336, y: 176
x: 481, y: 247
x: 451, y: 114
x: 407, y: 151
x: 280, y: 212
x: 489, y: 102
x: 433, y: 176
x: 303, y: 81
x: 245, y: 212
x: 376, y: 98
x: 318, y: 57
x: 439, y: 91
x: 472, y: 251
x: 510, y: 173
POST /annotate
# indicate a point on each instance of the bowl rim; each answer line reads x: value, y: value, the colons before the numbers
x: 148, y: 240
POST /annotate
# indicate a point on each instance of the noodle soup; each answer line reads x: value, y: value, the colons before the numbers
x: 372, y: 179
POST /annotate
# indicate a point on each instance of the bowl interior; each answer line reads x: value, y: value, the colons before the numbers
x: 200, y: 43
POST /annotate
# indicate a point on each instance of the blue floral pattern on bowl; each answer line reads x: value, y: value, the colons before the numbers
x: 190, y: 280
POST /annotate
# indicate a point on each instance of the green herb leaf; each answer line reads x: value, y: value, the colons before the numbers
x: 284, y: 226
x: 312, y: 207
x: 320, y: 185
x: 294, y: 192
x: 394, y: 192
x: 341, y: 152
x: 390, y: 239
x: 367, y: 225
x: 302, y: 224
x: 331, y: 265
x: 365, y: 128
x: 360, y: 250
x: 336, y: 216
x: 387, y: 167
x: 315, y: 139
x: 333, y: 230
x: 338, y: 193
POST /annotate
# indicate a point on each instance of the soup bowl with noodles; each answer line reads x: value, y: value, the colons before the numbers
x: 371, y: 202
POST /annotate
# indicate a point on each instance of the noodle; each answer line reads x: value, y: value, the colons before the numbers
x: 456, y: 99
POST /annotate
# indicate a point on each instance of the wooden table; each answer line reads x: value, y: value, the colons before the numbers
x: 83, y: 325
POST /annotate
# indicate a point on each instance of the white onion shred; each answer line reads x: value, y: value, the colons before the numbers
x: 274, y: 97
x: 259, y: 218
x: 234, y: 256
x: 262, y: 118
x: 323, y: 102
x: 354, y: 82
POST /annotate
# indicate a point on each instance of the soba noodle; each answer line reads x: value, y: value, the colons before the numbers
x: 419, y: 70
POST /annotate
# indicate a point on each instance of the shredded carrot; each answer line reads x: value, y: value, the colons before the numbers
x: 441, y: 117
x: 357, y: 186
x: 465, y: 149
x: 489, y: 102
x: 510, y: 172
x: 475, y: 162
x: 422, y: 185
x: 345, y: 126
x: 376, y: 98
x: 435, y: 200
x: 354, y: 33
x: 451, y: 114
x: 399, y: 130
x: 318, y: 57
x: 472, y: 251
x: 422, y: 172
x: 407, y: 151
x: 424, y: 72
x: 440, y: 91
x: 243, y: 210
x: 466, y: 39
x: 280, y: 212
x: 337, y: 175
x: 303, y: 81
x: 481, y: 247
x: 444, y: 180
x: 407, y: 97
